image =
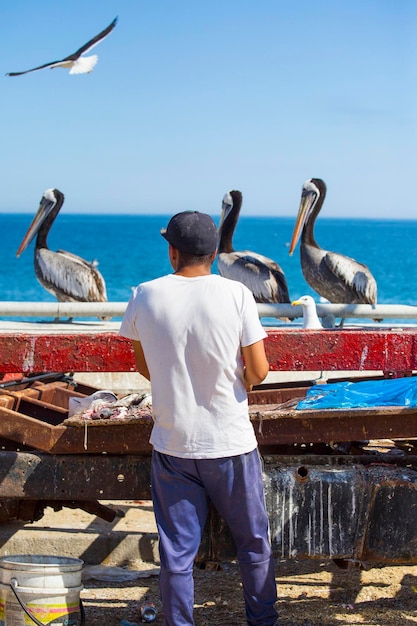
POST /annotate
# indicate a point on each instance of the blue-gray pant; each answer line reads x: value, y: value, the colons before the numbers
x: 181, y: 492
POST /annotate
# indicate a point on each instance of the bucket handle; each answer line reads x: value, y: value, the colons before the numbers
x: 14, y: 587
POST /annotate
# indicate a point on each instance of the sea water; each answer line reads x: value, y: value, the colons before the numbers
x: 129, y: 249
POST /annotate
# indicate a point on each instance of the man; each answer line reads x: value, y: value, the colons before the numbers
x: 191, y: 331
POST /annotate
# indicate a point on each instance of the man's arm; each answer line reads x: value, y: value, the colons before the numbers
x: 141, y: 364
x: 256, y: 364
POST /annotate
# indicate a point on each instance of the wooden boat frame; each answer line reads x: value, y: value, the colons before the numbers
x: 358, y: 507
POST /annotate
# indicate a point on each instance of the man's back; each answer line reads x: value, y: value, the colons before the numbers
x: 192, y: 330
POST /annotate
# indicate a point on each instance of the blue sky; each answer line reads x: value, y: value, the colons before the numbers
x: 191, y: 98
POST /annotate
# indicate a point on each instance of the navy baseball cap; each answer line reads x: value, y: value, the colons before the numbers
x: 191, y: 232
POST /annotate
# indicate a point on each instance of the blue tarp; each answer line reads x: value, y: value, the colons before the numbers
x: 346, y: 395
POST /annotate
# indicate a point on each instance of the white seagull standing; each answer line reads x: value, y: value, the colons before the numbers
x: 311, y: 322
x: 78, y: 64
x: 310, y: 317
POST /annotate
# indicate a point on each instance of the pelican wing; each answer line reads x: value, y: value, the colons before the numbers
x: 261, y: 275
x: 69, y: 277
x: 72, y: 257
x: 354, y: 275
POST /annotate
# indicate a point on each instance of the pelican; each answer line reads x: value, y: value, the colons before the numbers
x: 310, y: 317
x: 336, y: 277
x: 78, y: 64
x: 66, y: 276
x: 261, y: 275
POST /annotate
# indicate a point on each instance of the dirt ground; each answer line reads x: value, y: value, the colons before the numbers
x: 311, y: 593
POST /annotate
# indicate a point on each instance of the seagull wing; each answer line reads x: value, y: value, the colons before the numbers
x: 93, y: 42
x: 34, y: 69
x: 67, y: 61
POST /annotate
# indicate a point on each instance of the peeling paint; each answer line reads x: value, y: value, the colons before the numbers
x: 29, y: 354
x: 287, y: 350
x: 330, y: 518
x: 363, y: 358
x: 353, y: 512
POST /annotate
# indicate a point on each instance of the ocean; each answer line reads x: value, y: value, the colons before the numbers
x: 129, y: 250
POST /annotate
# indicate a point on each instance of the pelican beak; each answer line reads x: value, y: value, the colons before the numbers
x: 227, y: 206
x: 45, y: 207
x: 308, y: 198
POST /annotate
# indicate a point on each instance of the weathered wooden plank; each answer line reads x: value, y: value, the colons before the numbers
x: 272, y: 427
x: 353, y: 513
x: 39, y: 476
x: 388, y: 350
x: 353, y: 349
x: 83, y: 352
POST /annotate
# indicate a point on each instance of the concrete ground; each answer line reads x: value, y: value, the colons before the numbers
x: 127, y: 541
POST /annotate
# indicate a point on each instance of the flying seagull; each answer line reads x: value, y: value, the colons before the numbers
x: 77, y: 63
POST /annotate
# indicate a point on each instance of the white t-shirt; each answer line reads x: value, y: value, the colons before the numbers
x: 192, y: 331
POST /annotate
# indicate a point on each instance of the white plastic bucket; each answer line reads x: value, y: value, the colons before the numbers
x: 40, y: 589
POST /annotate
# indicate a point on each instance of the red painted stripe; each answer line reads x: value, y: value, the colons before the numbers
x: 300, y: 350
